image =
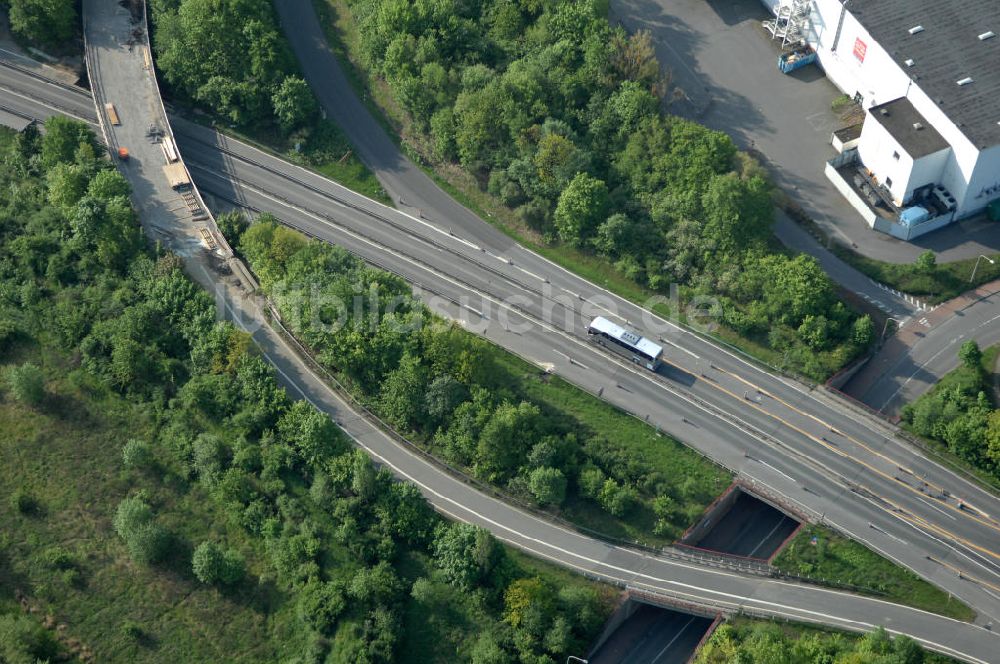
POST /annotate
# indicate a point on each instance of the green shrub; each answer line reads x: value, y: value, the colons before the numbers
x: 149, y: 544
x: 26, y: 384
x: 137, y: 454
x: 23, y: 502
x: 24, y: 641
x: 320, y: 604
x: 213, y: 565
x: 132, y: 630
x: 548, y: 485
x: 147, y: 541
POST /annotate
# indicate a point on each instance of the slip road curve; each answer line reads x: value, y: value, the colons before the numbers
x: 849, y: 507
x: 884, y: 539
x: 639, y: 578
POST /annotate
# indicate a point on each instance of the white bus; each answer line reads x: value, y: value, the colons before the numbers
x: 632, y: 345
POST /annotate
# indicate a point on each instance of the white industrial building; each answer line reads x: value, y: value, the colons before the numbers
x: 928, y: 74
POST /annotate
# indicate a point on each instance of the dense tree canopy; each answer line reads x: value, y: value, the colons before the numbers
x: 50, y: 23
x: 230, y: 56
x: 26, y: 384
x: 329, y: 534
x: 557, y: 114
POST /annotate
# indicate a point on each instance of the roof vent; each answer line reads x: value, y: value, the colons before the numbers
x: 987, y: 35
x: 909, y: 62
x: 964, y: 81
x: 915, y: 29
x: 883, y: 111
x: 918, y: 126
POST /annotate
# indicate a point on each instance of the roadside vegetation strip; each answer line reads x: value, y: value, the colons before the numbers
x: 818, y: 552
x: 925, y: 277
x: 239, y: 510
x: 622, y: 181
x: 743, y: 639
x: 960, y: 416
x: 477, y: 406
x: 586, y: 435
x: 254, y: 91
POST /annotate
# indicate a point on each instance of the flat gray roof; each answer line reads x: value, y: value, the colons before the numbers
x: 901, y: 119
x: 947, y: 50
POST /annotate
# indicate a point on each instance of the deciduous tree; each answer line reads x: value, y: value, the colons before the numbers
x: 294, y: 103
x: 583, y: 204
x: 47, y: 22
x: 970, y: 355
x: 548, y: 485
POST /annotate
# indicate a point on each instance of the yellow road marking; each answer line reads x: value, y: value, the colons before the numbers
x: 835, y: 450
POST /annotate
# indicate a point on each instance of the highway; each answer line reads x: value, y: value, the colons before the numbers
x: 709, y: 413
x: 848, y: 470
x: 712, y: 426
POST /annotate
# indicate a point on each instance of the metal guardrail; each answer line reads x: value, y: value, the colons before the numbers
x: 224, y: 248
x: 717, y: 560
x: 843, y: 398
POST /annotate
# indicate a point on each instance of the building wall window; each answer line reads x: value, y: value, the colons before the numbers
x: 895, y: 155
x: 888, y: 183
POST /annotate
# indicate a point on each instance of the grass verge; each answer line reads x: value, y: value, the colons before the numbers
x: 749, y: 640
x: 67, y: 558
x: 843, y: 560
x: 942, y: 282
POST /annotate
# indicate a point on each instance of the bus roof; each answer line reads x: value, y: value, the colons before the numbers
x: 602, y: 324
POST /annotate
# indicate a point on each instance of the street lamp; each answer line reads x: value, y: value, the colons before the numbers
x: 976, y: 266
x: 575, y: 659
x: 886, y: 326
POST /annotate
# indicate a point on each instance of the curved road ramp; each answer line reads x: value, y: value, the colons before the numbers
x: 121, y: 74
x: 137, y: 132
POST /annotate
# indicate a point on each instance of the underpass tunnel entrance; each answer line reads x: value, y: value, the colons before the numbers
x: 642, y: 633
x: 742, y: 524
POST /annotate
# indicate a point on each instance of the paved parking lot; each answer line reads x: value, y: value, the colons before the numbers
x: 720, y: 58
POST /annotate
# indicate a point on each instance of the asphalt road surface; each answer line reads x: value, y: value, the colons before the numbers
x: 751, y: 528
x: 616, y: 563
x: 653, y: 636
x: 934, y: 354
x: 722, y: 415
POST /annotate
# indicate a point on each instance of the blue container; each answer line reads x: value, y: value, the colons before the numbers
x: 912, y: 216
x: 789, y: 62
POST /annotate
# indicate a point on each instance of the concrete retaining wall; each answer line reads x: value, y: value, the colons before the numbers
x: 715, y: 512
